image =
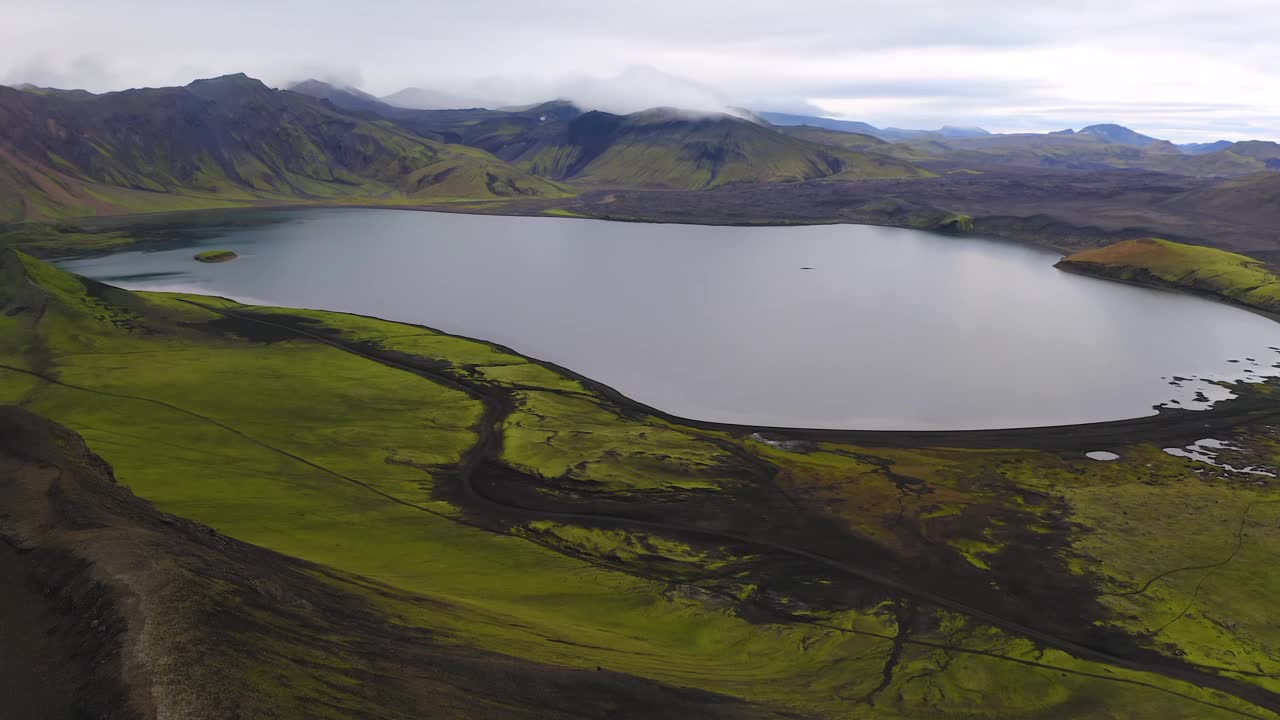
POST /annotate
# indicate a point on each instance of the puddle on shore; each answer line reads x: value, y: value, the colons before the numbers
x: 1206, y: 451
x: 1196, y: 392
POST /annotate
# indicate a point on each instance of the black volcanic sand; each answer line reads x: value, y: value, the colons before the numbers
x: 1062, y: 209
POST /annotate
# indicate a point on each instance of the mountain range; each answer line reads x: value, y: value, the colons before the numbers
x: 889, y: 134
x: 234, y: 141
x: 535, y: 139
x: 660, y: 147
x: 1106, y: 133
x: 229, y: 140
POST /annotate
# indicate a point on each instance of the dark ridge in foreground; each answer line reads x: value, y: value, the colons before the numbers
x: 114, y: 610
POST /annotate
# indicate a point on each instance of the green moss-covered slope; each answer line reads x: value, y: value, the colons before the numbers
x: 232, y: 630
x: 1227, y: 275
x: 670, y: 149
x: 216, y: 256
x: 225, y: 141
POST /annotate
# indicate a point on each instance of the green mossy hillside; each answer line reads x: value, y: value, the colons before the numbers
x: 224, y: 142
x: 216, y: 256
x: 1227, y: 275
x: 671, y: 149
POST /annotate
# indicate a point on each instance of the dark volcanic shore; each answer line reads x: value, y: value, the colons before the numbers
x: 1065, y: 210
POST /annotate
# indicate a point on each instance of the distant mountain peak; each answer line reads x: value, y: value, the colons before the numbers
x: 1264, y: 150
x: 226, y: 87
x: 58, y: 92
x: 673, y: 114
x: 787, y: 119
x: 343, y: 98
x: 232, y: 79
x: 890, y: 134
x: 1205, y: 148
x: 319, y: 88
x: 1118, y: 134
x: 748, y: 115
x: 416, y: 98
x: 963, y: 131
x: 553, y: 111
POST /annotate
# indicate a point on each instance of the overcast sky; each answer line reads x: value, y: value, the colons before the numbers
x: 1187, y: 70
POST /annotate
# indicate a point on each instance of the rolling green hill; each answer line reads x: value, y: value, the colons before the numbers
x: 1266, y: 151
x: 665, y: 148
x: 913, y: 152
x: 225, y: 141
x: 1162, y: 263
x: 837, y: 138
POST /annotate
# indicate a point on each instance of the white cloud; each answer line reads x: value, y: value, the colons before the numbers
x: 1190, y: 70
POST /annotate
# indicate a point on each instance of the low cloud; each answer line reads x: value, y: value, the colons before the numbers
x: 45, y: 70
x: 342, y: 76
x: 637, y: 88
x: 640, y: 88
x: 1004, y: 64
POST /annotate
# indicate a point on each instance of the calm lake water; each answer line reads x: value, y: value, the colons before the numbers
x: 890, y: 329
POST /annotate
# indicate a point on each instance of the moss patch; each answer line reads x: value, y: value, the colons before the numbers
x: 216, y: 256
x: 1228, y: 275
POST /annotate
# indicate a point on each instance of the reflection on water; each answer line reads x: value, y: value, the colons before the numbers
x: 890, y: 329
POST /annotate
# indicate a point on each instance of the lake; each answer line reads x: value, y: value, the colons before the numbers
x: 835, y: 326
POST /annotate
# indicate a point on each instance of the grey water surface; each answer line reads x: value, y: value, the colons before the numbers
x: 889, y: 329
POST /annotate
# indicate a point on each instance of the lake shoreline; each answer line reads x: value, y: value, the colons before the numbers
x: 500, y: 208
x: 1254, y: 403
x: 726, y: 288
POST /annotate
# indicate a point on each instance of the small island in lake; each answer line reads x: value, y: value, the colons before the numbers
x: 216, y: 256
